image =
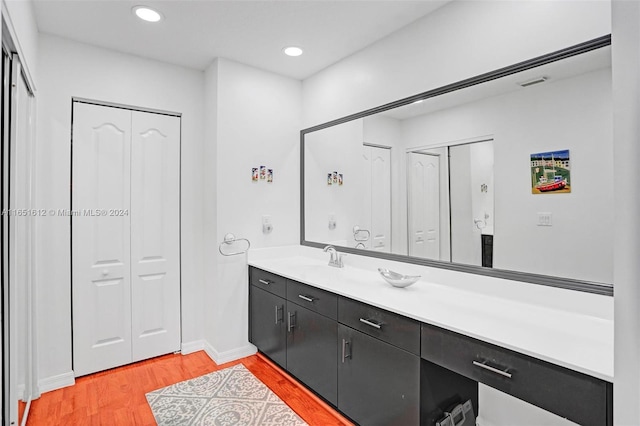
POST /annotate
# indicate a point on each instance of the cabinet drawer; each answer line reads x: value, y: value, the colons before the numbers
x: 267, y: 281
x: 313, y: 298
x: 583, y: 399
x: 384, y: 325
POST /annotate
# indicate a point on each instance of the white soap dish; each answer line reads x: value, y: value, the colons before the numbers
x: 396, y: 279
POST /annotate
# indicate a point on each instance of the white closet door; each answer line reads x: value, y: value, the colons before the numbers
x: 155, y: 234
x: 424, y: 205
x: 101, y: 244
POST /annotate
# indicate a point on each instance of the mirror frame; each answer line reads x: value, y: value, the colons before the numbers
x: 560, y: 282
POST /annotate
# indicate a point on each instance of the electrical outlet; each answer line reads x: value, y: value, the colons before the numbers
x: 545, y: 219
x: 332, y: 221
x: 267, y: 227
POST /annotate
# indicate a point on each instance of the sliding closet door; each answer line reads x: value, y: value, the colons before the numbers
x: 155, y: 234
x: 100, y: 239
x: 9, y: 397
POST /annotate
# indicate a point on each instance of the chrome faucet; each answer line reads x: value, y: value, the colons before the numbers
x: 336, y: 258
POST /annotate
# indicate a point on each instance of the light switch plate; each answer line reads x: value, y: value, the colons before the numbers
x: 545, y: 219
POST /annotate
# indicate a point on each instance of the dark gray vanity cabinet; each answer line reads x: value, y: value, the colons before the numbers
x: 267, y: 328
x: 378, y: 383
x: 312, y: 338
x: 381, y: 368
x: 378, y: 365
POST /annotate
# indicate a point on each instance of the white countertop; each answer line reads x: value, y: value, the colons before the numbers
x: 568, y: 328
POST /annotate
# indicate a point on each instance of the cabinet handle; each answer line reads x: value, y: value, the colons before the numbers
x: 307, y: 298
x: 371, y: 323
x: 265, y: 282
x: 290, y: 324
x: 492, y: 369
x: 278, y: 317
x: 345, y: 355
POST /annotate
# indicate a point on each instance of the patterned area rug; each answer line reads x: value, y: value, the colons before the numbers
x: 232, y: 396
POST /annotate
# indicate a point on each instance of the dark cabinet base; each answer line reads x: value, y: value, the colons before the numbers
x: 266, y: 326
x: 311, y: 351
x: 380, y: 368
x: 378, y: 384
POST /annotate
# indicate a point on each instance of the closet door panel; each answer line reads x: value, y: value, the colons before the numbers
x: 155, y: 232
x: 101, y: 248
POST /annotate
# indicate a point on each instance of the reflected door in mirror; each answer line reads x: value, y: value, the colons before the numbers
x: 424, y: 205
x: 375, y: 215
x: 471, y: 195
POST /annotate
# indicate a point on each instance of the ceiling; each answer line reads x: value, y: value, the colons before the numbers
x: 194, y: 32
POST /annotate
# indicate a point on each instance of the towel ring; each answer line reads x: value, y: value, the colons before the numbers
x: 230, y: 239
x: 358, y: 237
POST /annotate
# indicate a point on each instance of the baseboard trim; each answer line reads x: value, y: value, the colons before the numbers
x: 191, y: 347
x: 228, y: 356
x: 60, y: 381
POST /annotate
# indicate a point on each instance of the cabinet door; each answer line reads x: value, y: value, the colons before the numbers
x: 268, y: 331
x: 378, y: 384
x: 311, y: 350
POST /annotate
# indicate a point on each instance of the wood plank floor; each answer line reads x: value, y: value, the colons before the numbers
x: 117, y: 397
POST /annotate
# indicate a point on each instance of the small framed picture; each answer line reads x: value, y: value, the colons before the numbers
x: 263, y: 172
x: 269, y: 175
x: 551, y: 172
x: 329, y: 178
x: 335, y: 177
x: 254, y: 174
x: 340, y: 179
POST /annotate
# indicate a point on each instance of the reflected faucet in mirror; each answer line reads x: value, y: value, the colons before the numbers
x: 336, y: 258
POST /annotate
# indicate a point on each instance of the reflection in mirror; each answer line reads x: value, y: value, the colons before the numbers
x: 450, y: 203
x: 448, y: 178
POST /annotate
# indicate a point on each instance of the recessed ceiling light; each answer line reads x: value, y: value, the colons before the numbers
x: 147, y: 14
x: 292, y: 51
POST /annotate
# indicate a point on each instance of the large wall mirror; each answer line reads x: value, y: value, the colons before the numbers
x: 508, y: 174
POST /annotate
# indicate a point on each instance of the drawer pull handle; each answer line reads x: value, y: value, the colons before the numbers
x: 307, y: 298
x: 290, y: 324
x: 345, y: 355
x: 492, y: 369
x: 371, y: 323
x: 265, y: 282
x: 278, y: 317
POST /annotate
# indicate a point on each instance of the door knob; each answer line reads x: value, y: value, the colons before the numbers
x: 105, y: 272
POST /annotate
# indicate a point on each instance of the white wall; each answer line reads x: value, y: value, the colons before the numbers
x: 254, y: 121
x: 68, y: 69
x: 626, y: 109
x: 459, y: 40
x: 572, y: 114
